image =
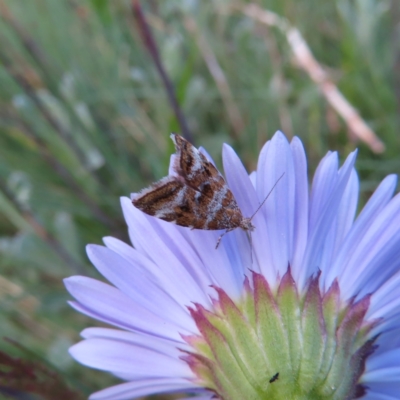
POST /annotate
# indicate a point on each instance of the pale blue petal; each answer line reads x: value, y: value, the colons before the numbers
x: 389, y: 323
x: 339, y: 229
x: 110, y: 305
x: 138, y: 284
x: 300, y: 228
x: 347, y: 210
x: 388, y: 359
x: 179, y: 245
x: 324, y: 181
x: 143, y: 387
x: 253, y: 178
x: 279, y: 207
x: 239, y: 182
x: 376, y: 203
x: 372, y: 395
x: 186, y: 289
x: 389, y: 374
x: 165, y: 242
x: 216, y: 262
x: 370, y: 244
x: 124, y: 357
x: 318, y: 233
x: 246, y: 197
x: 391, y: 389
x: 265, y: 265
x: 386, y: 299
x: 374, y: 274
x: 160, y: 345
x: 387, y: 340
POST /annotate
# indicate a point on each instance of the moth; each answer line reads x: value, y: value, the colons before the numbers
x: 194, y: 195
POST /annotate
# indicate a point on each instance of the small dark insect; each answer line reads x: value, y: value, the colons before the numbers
x: 195, y: 195
x: 274, y: 378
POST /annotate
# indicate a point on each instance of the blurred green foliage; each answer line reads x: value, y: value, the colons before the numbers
x: 85, y: 118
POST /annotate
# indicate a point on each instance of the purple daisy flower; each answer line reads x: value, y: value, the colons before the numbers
x: 309, y: 311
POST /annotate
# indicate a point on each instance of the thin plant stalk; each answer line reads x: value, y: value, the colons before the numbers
x: 151, y: 45
x: 308, y: 63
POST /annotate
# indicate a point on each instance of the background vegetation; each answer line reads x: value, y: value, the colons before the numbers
x: 85, y: 118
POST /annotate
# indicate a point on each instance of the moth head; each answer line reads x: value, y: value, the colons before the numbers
x: 246, y: 224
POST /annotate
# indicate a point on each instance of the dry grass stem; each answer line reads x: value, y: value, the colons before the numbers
x: 217, y: 73
x: 305, y: 60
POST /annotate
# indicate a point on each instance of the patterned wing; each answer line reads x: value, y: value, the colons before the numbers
x: 170, y: 199
x: 201, y: 174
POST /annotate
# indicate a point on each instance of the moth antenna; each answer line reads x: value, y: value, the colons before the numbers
x: 273, y: 187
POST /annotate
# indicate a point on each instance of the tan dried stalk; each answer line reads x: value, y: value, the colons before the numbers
x: 306, y: 60
x: 218, y: 75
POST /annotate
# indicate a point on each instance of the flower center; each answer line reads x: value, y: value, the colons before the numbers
x: 278, y: 345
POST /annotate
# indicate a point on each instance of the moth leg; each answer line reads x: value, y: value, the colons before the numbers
x: 251, y: 245
x: 219, y: 239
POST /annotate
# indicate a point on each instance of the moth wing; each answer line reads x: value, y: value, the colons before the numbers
x: 199, y: 173
x: 159, y: 197
x: 170, y: 199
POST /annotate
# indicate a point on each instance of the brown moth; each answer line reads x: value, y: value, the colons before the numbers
x: 195, y: 196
